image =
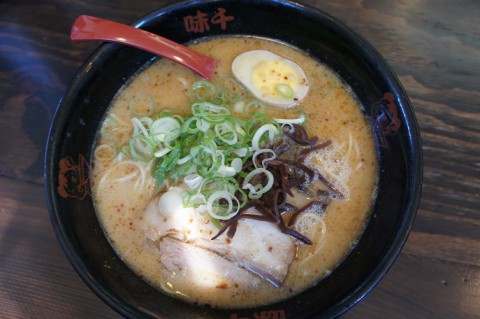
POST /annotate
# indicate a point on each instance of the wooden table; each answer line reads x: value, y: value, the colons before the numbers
x: 433, y: 46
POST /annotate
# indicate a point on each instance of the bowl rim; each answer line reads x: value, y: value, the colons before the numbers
x: 415, y: 177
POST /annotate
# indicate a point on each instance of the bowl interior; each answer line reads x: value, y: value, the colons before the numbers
x: 82, y: 108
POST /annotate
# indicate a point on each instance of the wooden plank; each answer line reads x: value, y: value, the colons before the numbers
x: 423, y: 287
x: 36, y: 279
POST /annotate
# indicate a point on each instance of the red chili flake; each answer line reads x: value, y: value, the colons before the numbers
x: 222, y: 285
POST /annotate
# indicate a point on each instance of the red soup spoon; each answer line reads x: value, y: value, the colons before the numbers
x: 87, y: 28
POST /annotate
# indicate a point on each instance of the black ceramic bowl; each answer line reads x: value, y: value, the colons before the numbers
x: 87, y: 98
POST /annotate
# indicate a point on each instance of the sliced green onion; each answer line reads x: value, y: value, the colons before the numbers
x: 141, y: 148
x: 195, y: 200
x: 104, y: 152
x: 243, y: 152
x: 193, y: 180
x: 164, y: 165
x: 203, y: 125
x: 181, y: 169
x: 272, y: 156
x: 254, y: 107
x: 139, y: 127
x: 257, y: 121
x: 220, y: 211
x: 165, y: 129
x: 161, y: 152
x: 226, y: 133
x: 258, y: 138
x: 225, y: 171
x: 285, y: 91
x: 204, y: 90
x: 184, y: 160
x: 208, y: 162
x: 240, y: 130
x: 210, y: 112
x: 300, y: 120
x: 146, y: 121
x: 256, y: 191
x: 189, y: 126
x: 237, y: 164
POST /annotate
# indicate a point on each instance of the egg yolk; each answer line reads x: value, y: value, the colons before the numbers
x: 275, y: 79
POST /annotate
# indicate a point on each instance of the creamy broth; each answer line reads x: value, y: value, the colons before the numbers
x: 122, y: 194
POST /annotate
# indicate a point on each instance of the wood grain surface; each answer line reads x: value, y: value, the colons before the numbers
x: 432, y: 45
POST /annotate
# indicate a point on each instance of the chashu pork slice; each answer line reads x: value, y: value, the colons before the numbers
x: 258, y: 246
x: 199, y: 266
x: 261, y: 248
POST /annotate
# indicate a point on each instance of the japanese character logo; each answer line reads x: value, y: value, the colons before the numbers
x: 267, y: 314
x: 73, y: 178
x: 200, y: 22
x: 385, y: 120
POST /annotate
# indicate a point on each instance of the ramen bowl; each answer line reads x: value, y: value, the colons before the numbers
x: 87, y: 98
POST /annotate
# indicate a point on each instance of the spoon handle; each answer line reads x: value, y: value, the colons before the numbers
x: 87, y: 28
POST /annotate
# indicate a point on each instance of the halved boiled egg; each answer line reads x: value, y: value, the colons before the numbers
x: 271, y: 78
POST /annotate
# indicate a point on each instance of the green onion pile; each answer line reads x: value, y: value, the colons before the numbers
x: 207, y: 150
